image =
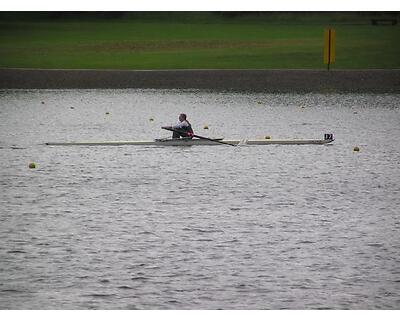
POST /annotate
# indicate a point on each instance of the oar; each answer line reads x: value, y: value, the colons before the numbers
x: 200, y: 137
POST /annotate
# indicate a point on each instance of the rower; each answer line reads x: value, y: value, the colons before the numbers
x: 184, y: 127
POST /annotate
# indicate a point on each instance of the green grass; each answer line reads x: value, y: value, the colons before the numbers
x: 221, y: 44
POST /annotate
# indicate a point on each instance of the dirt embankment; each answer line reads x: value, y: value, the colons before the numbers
x: 268, y: 81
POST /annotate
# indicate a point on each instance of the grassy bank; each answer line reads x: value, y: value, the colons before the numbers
x: 215, y: 42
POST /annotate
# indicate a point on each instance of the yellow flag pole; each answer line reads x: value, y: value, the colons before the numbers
x: 329, y: 46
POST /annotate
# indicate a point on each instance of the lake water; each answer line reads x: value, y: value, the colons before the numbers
x: 202, y: 227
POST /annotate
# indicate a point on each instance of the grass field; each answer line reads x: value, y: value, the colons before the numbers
x: 220, y: 44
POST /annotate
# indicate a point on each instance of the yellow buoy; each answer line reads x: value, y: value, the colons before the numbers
x: 205, y: 127
x: 32, y: 165
x: 356, y: 149
x: 267, y: 137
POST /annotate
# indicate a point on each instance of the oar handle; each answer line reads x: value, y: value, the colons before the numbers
x: 197, y: 136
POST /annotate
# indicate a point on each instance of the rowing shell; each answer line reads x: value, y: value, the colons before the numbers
x: 191, y: 142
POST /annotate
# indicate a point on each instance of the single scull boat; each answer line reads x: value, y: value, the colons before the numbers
x: 328, y: 138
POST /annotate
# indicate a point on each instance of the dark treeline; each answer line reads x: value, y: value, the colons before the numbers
x: 196, y: 16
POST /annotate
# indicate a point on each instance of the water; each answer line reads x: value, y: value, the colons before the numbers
x: 202, y: 227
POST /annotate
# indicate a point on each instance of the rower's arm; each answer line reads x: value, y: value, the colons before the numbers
x: 180, y: 125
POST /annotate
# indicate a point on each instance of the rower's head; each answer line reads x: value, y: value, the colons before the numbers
x: 182, y: 117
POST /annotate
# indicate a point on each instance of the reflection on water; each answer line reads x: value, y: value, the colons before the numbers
x: 203, y: 227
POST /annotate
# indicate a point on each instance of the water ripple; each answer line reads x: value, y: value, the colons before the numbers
x: 256, y: 227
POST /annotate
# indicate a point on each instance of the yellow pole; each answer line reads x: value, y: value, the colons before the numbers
x: 329, y: 46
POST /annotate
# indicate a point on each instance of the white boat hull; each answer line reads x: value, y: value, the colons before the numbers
x: 191, y: 142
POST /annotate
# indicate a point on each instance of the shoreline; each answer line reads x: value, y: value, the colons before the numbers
x: 248, y: 80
